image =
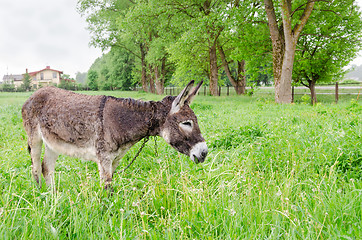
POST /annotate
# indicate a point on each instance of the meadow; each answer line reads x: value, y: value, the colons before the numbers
x: 273, y: 172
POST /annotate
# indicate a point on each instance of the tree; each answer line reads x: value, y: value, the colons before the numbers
x: 146, y: 23
x: 328, y: 44
x: 132, y: 26
x: 104, y: 20
x: 81, y: 77
x: 8, y: 87
x: 284, y: 33
x: 92, y: 80
x: 195, y: 52
x: 246, y: 32
x: 114, y: 70
x: 26, y: 82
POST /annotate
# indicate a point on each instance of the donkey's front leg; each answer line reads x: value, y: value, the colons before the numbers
x: 105, y: 171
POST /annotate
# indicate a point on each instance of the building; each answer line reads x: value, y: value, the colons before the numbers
x: 45, y: 77
x: 16, y: 79
x: 41, y: 78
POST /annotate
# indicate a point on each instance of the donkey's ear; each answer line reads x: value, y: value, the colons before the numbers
x: 181, y: 99
x: 193, y: 93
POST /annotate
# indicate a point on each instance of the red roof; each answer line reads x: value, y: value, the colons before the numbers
x: 47, y: 68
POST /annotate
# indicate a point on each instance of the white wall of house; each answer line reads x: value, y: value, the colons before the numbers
x: 46, y: 77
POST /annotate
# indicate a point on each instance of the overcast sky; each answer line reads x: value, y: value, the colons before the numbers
x: 39, y: 33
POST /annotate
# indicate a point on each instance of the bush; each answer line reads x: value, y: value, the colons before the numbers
x: 350, y: 81
x: 6, y: 87
x: 306, y: 99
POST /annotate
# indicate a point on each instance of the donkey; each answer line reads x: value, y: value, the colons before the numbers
x: 103, y: 128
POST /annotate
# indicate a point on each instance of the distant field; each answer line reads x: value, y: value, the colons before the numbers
x: 273, y: 172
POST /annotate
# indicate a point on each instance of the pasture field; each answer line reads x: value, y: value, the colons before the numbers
x: 273, y: 172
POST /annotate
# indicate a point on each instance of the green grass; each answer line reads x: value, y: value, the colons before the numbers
x: 273, y: 172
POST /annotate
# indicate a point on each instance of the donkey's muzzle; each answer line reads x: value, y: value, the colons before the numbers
x: 199, y: 152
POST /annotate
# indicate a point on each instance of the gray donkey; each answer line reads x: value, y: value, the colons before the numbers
x: 103, y: 128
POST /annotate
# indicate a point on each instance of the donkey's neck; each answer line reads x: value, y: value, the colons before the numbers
x: 135, y: 119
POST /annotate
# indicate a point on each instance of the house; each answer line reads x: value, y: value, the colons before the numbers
x: 16, y: 79
x: 41, y: 78
x: 45, y: 77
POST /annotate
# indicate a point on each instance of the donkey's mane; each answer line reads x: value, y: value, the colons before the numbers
x: 139, y: 104
x: 133, y: 103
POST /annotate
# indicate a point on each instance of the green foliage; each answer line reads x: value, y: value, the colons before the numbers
x: 92, y: 80
x: 330, y: 41
x: 350, y: 81
x: 81, y: 77
x: 67, y: 85
x: 170, y: 41
x: 114, y: 70
x: 248, y: 33
x: 305, y: 99
x: 291, y: 172
x: 26, y: 86
x: 8, y: 87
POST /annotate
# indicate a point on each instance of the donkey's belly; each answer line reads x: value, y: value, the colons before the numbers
x: 87, y: 151
x: 72, y: 150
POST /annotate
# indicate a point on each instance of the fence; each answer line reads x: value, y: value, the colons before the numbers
x: 337, y: 89
x: 204, y: 91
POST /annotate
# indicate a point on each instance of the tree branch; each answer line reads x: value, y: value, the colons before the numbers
x: 272, y: 21
x: 303, y: 19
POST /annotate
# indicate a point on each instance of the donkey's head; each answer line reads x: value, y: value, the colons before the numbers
x: 181, y: 129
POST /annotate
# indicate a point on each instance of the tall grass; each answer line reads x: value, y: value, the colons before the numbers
x: 273, y: 172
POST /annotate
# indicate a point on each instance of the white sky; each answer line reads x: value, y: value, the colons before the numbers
x: 39, y: 33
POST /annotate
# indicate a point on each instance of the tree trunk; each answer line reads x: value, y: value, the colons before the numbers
x: 284, y: 42
x: 159, y: 82
x: 143, y: 68
x: 241, y: 79
x: 278, y: 55
x: 239, y: 83
x: 283, y: 87
x: 213, y: 71
x: 313, y: 94
x: 152, y: 80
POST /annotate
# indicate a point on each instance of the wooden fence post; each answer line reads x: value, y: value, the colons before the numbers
x: 227, y: 91
x: 292, y: 94
x: 204, y: 90
x: 336, y: 94
x: 219, y: 91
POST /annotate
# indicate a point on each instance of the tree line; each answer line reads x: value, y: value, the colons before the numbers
x: 236, y: 42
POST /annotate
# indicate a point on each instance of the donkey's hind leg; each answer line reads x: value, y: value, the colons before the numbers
x: 48, y: 165
x: 35, y: 152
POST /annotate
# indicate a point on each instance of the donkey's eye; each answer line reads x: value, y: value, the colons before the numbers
x: 186, y: 125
